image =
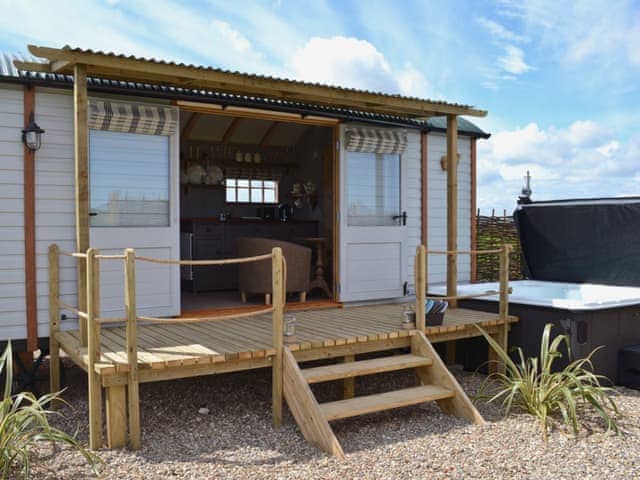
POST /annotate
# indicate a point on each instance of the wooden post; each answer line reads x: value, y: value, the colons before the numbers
x: 81, y: 143
x: 132, y: 348
x: 116, y: 413
x: 452, y: 207
x: 93, y: 342
x: 54, y: 318
x: 504, y: 292
x: 278, y: 320
x: 420, y: 285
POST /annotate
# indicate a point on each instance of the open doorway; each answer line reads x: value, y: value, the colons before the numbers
x: 248, y: 184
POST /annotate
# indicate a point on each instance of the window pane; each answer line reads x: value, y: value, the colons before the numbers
x: 128, y: 179
x: 256, y: 195
x: 243, y: 183
x: 231, y: 182
x: 269, y: 196
x: 231, y: 194
x: 243, y: 195
x: 373, y: 189
x: 270, y: 184
x: 256, y: 183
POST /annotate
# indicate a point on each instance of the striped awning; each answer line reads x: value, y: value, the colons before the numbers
x: 130, y: 117
x: 376, y: 140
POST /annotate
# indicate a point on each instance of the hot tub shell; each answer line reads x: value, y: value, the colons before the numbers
x: 591, y: 315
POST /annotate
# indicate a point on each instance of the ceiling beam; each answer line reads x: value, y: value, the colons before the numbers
x: 133, y: 69
x: 228, y: 133
x: 269, y: 133
x: 186, y: 131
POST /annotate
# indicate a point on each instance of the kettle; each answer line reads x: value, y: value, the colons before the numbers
x: 284, y: 212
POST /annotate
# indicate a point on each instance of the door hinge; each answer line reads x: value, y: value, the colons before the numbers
x: 338, y: 217
x: 337, y: 145
x: 339, y: 287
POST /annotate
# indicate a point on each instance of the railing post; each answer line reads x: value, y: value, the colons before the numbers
x: 93, y: 344
x: 420, y: 285
x: 132, y: 347
x: 504, y: 295
x: 54, y: 318
x: 278, y: 319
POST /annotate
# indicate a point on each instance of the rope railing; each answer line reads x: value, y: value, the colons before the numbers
x: 90, y: 335
x: 463, y: 252
x: 226, y: 261
x: 420, y: 281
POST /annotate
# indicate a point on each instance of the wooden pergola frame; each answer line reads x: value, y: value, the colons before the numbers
x: 84, y: 63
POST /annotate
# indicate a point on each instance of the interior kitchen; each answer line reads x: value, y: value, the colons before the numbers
x: 247, y: 185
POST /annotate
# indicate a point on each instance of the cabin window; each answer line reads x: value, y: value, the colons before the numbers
x: 128, y: 179
x: 373, y: 189
x: 245, y: 190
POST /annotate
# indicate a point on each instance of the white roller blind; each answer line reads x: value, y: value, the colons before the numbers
x: 128, y: 179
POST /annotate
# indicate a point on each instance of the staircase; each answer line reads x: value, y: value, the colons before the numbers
x: 437, y: 384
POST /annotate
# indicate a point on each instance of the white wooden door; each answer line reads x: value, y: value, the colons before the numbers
x: 133, y: 182
x: 373, y: 232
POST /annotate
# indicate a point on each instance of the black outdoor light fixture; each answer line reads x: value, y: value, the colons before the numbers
x: 32, y: 135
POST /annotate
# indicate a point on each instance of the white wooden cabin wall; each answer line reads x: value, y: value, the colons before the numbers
x: 55, y: 200
x: 437, y: 208
x: 12, y: 278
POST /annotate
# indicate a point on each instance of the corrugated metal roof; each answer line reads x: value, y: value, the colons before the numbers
x: 9, y: 71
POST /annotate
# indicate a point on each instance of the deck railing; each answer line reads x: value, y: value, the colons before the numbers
x: 421, y: 285
x: 91, y: 321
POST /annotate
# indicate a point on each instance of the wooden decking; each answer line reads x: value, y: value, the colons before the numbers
x: 247, y: 342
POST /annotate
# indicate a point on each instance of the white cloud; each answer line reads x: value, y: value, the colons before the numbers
x: 499, y: 32
x: 351, y: 62
x: 581, y: 160
x: 513, y: 61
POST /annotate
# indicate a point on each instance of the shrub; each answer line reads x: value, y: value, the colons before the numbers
x: 532, y: 386
x: 24, y: 420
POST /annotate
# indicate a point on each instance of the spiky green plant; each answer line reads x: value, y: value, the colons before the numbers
x: 531, y: 385
x: 24, y: 421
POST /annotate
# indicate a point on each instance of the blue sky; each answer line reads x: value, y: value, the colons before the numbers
x: 560, y: 79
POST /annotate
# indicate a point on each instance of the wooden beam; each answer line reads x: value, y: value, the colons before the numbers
x: 191, y: 123
x: 231, y: 129
x: 452, y: 207
x: 255, y: 113
x: 81, y: 143
x: 135, y: 69
x: 474, y: 219
x: 269, y: 133
x: 29, y: 190
x: 33, y: 66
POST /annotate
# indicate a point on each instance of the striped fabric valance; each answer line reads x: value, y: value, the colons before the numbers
x: 375, y: 140
x: 132, y: 117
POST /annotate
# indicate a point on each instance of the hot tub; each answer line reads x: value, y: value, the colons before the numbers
x: 591, y: 314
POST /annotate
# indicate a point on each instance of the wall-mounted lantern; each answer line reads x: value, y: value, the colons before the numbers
x: 32, y: 135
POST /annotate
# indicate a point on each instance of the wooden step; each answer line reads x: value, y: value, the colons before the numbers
x: 383, y: 401
x: 364, y: 367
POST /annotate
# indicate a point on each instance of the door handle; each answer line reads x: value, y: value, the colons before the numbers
x: 402, y: 216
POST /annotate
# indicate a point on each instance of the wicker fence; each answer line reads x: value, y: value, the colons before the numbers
x: 492, y: 232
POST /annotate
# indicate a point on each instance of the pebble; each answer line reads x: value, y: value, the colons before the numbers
x: 203, y: 411
x: 238, y: 441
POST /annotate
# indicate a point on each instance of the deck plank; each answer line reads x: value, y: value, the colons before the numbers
x: 178, y: 345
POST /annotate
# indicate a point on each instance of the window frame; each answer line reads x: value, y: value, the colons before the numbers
x: 250, y: 188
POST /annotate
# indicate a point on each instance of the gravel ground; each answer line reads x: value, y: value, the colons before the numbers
x: 236, y: 439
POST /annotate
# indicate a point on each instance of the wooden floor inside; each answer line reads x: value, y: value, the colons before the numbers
x: 168, y: 350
